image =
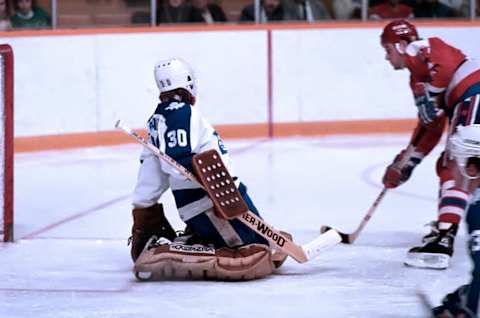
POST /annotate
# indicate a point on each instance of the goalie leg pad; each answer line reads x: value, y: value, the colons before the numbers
x: 173, y: 261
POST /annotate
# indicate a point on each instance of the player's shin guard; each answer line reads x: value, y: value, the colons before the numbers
x: 452, y: 205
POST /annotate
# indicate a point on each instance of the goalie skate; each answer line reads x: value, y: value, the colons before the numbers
x: 164, y: 260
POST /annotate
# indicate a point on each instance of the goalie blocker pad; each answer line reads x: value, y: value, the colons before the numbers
x: 177, y: 261
x: 215, y: 178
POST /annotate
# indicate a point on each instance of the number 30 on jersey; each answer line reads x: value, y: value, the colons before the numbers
x: 176, y: 138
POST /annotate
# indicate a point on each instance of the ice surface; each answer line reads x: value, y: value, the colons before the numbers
x: 73, y: 218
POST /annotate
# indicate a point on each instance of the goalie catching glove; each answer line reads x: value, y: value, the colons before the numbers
x: 401, y: 169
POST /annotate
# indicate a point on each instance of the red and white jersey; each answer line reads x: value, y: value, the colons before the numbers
x: 447, y: 73
x: 444, y: 69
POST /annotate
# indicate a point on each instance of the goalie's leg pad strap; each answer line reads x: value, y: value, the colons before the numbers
x: 179, y: 261
x: 223, y: 233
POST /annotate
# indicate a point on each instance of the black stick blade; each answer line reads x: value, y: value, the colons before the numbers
x: 324, y: 229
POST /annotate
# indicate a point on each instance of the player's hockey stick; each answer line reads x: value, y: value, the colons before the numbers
x: 350, y: 238
x: 301, y: 254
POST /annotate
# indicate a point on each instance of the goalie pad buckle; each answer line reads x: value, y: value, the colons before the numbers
x: 215, y: 178
x: 163, y: 260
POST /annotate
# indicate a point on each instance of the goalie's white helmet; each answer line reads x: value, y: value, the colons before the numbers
x: 464, y: 146
x: 174, y: 73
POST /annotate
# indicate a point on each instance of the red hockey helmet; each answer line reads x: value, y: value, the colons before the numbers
x: 399, y: 30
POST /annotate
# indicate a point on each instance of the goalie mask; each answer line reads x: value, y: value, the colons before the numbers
x: 397, y: 31
x: 464, y: 147
x: 173, y: 74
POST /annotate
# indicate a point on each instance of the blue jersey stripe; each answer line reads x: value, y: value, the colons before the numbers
x: 186, y: 196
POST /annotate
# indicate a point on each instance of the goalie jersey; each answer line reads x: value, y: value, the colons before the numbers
x: 177, y: 129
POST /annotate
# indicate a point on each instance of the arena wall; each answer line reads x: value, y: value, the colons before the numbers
x: 279, y: 80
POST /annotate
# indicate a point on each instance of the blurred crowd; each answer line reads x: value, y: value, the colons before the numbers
x: 26, y: 14
x: 184, y: 11
x: 18, y: 14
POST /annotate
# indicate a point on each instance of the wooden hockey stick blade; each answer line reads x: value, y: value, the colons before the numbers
x: 248, y: 218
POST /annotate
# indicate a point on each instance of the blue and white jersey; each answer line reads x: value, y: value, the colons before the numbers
x: 178, y: 130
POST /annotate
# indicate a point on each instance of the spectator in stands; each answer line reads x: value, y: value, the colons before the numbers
x: 174, y: 11
x: 29, y: 16
x: 133, y: 3
x: 461, y: 8
x: 203, y: 11
x: 270, y: 10
x: 347, y: 9
x: 456, y: 5
x: 305, y: 10
x: 432, y: 9
x: 4, y: 16
x: 390, y: 9
x: 168, y: 11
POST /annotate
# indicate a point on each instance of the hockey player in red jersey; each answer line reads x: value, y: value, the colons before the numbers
x: 446, y: 88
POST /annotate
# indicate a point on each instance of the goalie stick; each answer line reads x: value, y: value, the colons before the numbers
x: 301, y: 254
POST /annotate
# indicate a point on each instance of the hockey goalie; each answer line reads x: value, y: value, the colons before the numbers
x: 214, y: 245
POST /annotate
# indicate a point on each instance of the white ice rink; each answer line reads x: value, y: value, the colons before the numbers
x: 73, y: 218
